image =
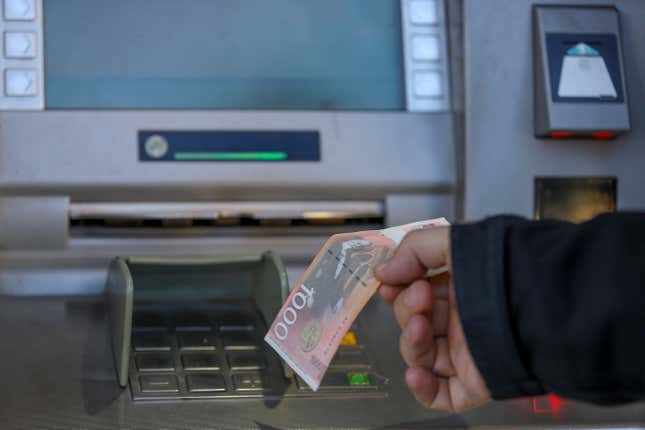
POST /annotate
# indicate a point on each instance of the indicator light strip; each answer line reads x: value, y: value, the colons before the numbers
x: 231, y: 156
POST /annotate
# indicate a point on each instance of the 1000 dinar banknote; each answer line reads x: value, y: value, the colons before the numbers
x: 336, y: 286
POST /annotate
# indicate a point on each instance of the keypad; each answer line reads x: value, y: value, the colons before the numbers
x: 187, y: 355
x: 195, y: 354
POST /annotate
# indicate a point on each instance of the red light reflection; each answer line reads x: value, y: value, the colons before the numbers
x: 603, y: 135
x: 561, y: 134
x: 551, y: 404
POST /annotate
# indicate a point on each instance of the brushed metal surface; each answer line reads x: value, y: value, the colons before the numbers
x: 57, y: 372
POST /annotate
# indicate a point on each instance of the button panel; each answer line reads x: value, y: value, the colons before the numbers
x: 21, y: 61
x: 426, y: 59
x: 208, y: 354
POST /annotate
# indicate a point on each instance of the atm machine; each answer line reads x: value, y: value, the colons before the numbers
x: 169, y: 168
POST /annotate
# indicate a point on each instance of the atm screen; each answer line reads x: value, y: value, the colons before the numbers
x: 224, y: 54
x: 574, y: 199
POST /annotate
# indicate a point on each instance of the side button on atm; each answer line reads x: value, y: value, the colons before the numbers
x: 20, y: 82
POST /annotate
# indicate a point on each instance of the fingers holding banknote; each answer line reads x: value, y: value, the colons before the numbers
x: 442, y: 374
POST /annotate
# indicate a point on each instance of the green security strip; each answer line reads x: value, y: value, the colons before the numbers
x: 231, y: 156
x: 358, y: 379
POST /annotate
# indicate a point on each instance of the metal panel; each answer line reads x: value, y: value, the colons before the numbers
x: 75, y: 151
x: 502, y: 156
x: 33, y: 222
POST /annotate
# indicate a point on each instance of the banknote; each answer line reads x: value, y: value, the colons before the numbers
x: 327, y: 299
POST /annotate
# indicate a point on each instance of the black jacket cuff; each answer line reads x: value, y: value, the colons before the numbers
x: 479, y: 274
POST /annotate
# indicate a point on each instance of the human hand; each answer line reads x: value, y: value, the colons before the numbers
x: 442, y: 374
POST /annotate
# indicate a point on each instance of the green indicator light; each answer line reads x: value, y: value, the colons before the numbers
x: 231, y: 156
x: 358, y: 379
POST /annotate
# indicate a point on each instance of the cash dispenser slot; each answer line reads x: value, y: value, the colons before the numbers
x: 247, y: 218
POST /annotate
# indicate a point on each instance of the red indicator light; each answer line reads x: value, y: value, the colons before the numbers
x: 603, y: 135
x: 561, y: 134
x: 551, y: 404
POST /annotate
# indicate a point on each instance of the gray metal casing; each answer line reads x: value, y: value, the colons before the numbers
x: 575, y: 117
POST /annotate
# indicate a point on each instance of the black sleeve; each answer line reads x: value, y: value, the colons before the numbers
x: 550, y: 306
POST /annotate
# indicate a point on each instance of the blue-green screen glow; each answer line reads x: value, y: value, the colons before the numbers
x: 224, y: 54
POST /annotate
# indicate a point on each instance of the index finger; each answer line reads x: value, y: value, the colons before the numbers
x: 419, y: 251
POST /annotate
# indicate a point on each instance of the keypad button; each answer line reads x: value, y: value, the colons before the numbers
x: 359, y: 379
x: 428, y: 84
x: 239, y: 339
x: 152, y: 362
x: 250, y: 381
x: 423, y: 12
x: 246, y: 360
x: 200, y: 362
x: 349, y: 339
x: 196, y: 341
x: 159, y: 384
x: 151, y: 342
x: 20, y: 82
x: 351, y: 357
x: 19, y: 44
x: 341, y: 381
x: 19, y: 10
x: 425, y: 48
x: 205, y: 382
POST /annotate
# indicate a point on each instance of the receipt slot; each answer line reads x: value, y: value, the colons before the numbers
x: 579, y: 78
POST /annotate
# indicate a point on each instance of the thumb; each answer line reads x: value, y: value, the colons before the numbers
x: 419, y: 251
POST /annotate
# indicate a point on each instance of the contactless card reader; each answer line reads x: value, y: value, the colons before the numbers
x: 579, y: 75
